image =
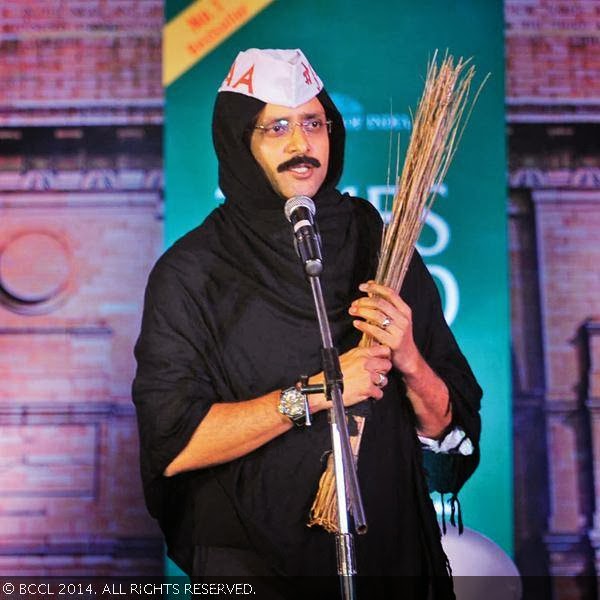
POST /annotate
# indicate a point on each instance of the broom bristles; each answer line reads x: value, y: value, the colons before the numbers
x: 438, y: 126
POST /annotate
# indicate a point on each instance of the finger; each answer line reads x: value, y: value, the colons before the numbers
x: 385, y: 292
x: 383, y: 336
x: 375, y: 392
x: 381, y: 313
x: 379, y: 379
x: 378, y: 365
x: 396, y: 326
x: 378, y: 350
x: 373, y: 287
x: 373, y: 316
x: 375, y: 303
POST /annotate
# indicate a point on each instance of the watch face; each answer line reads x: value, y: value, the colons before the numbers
x: 292, y: 403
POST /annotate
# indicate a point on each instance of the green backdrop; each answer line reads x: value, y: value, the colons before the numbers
x: 370, y: 56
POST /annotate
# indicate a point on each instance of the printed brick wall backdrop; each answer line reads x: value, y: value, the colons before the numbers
x: 101, y: 56
x: 80, y: 227
x: 553, y: 98
x: 553, y: 48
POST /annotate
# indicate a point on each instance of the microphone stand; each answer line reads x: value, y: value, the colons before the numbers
x: 346, y: 479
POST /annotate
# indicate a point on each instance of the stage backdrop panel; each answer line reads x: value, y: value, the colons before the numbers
x: 372, y: 58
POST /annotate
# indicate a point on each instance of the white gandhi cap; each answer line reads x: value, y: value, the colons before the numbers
x: 282, y: 77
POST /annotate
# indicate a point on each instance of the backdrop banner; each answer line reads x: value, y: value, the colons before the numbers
x: 372, y: 58
x: 202, y: 26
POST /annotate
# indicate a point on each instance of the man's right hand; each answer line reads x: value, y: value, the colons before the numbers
x: 365, y: 374
x: 233, y: 429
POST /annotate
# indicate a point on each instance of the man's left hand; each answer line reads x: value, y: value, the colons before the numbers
x: 388, y: 319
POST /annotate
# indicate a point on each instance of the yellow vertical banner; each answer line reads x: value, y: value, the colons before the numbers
x: 200, y: 28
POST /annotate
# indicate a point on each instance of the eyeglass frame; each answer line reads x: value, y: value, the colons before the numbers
x: 266, y: 128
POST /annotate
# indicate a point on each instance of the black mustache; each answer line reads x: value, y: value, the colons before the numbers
x: 298, y: 160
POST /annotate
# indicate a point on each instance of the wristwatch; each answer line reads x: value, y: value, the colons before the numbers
x: 294, y: 405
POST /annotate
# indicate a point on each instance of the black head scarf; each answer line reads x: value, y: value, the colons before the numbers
x: 241, y: 178
x: 259, y: 232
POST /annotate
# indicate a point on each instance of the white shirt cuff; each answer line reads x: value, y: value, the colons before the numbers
x: 455, y: 442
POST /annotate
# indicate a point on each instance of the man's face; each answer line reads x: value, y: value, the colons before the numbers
x: 296, y: 162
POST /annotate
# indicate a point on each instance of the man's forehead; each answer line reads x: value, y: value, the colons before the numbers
x: 277, y: 111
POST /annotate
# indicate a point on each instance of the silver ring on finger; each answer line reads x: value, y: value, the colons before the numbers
x: 382, y: 380
x: 386, y: 322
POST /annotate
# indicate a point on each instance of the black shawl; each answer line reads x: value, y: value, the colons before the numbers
x: 228, y: 316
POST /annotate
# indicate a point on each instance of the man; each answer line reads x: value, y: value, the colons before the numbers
x: 229, y: 327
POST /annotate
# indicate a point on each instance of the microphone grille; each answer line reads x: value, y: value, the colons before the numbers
x: 298, y: 202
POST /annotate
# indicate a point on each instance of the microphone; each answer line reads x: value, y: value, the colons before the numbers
x: 299, y: 211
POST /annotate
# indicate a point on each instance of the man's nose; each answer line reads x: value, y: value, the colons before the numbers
x: 298, y: 141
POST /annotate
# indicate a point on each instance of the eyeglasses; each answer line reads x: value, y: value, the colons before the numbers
x: 284, y: 127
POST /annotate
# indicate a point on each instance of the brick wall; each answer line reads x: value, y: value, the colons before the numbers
x: 69, y: 483
x: 553, y: 100
x: 552, y: 48
x: 100, y: 58
x: 81, y: 49
x: 80, y: 227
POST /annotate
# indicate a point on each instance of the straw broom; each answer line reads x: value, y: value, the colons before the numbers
x: 437, y: 128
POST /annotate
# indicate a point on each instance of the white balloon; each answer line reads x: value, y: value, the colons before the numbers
x: 481, y: 569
